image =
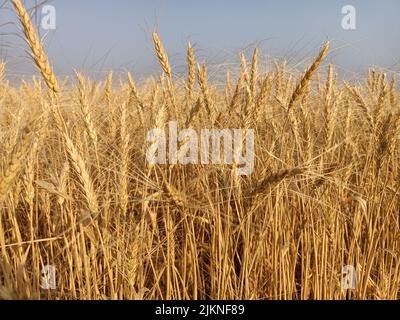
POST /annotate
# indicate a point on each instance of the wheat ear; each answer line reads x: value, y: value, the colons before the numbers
x: 38, y: 54
x: 161, y: 55
x: 84, y: 104
x: 265, y: 91
x: 2, y: 68
x: 244, y: 71
x: 273, y: 179
x: 163, y: 60
x: 361, y: 102
x: 15, y: 162
x: 202, y: 77
x: 124, y: 167
x: 41, y: 61
x: 135, y: 96
x: 254, y: 71
x: 302, y: 86
x: 83, y: 175
x: 191, y: 61
x: 392, y: 91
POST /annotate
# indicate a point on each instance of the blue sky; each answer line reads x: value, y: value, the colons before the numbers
x: 95, y: 35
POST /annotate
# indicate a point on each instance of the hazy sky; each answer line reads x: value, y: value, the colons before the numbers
x: 96, y: 35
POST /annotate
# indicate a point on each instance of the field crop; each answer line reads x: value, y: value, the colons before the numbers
x: 77, y: 193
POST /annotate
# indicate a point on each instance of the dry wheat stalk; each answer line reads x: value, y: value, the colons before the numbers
x: 273, y: 179
x: 15, y: 162
x: 250, y: 109
x: 392, y: 92
x: 161, y: 55
x: 330, y: 100
x: 371, y: 80
x: 124, y: 154
x: 85, y: 110
x: 83, y: 174
x: 109, y: 88
x: 38, y: 54
x: 194, y: 111
x: 202, y: 78
x: 236, y: 95
x: 163, y: 60
x: 62, y: 182
x: 380, y: 108
x: 177, y: 197
x: 280, y: 79
x: 228, y: 88
x: 41, y: 60
x: 302, y: 85
x: 329, y: 85
x: 135, y: 96
x: 2, y: 68
x: 360, y: 101
x: 191, y: 62
x: 29, y: 174
x: 244, y: 70
x: 254, y: 73
x: 154, y: 94
x: 161, y: 117
x: 263, y: 96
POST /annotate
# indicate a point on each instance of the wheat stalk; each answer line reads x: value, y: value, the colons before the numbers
x: 329, y: 105
x: 302, y: 85
x: 361, y: 102
x: 236, y: 95
x: 161, y: 55
x: 2, y: 69
x: 87, y: 117
x: 273, y: 179
x: 392, y: 92
x: 15, y: 162
x: 124, y: 152
x: 202, y: 78
x: 38, y: 54
x: 166, y: 67
x: 264, y: 94
x: 135, y: 95
x: 191, y: 62
x: 254, y: 73
x: 244, y: 70
x: 83, y: 174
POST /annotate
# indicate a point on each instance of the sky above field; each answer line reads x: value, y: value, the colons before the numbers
x: 96, y: 36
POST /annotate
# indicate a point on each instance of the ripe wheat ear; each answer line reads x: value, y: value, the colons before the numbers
x: 2, y: 68
x: 302, y: 86
x: 38, y: 54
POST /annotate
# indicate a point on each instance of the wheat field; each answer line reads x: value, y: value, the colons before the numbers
x: 76, y: 191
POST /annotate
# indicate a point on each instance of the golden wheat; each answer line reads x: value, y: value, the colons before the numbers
x: 302, y: 85
x: 38, y: 54
x: 79, y: 194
